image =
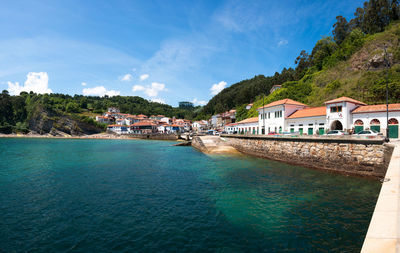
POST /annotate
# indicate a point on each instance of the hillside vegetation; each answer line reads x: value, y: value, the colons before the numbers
x: 351, y: 63
x: 58, y: 113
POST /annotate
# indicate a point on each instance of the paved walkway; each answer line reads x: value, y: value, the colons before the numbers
x: 384, y: 230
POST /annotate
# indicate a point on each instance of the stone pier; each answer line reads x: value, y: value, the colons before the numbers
x: 369, y: 157
x: 384, y: 230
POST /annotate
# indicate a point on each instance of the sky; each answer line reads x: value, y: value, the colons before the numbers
x: 165, y: 51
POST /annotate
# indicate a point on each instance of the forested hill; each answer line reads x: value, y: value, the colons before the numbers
x: 59, y: 113
x: 351, y: 63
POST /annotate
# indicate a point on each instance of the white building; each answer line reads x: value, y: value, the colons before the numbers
x: 308, y: 121
x: 338, y: 114
x: 199, y: 126
x: 272, y: 117
x: 374, y: 117
x: 231, y: 128
x: 119, y: 129
x: 248, y: 126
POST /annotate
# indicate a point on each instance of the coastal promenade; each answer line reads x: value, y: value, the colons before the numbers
x: 384, y: 230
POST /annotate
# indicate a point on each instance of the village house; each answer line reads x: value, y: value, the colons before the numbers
x: 248, y: 126
x: 143, y: 127
x: 199, y: 126
x: 343, y: 113
x: 119, y: 129
x: 231, y: 128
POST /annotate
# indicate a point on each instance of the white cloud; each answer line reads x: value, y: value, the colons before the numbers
x: 99, y: 91
x: 199, y: 102
x: 150, y: 90
x: 144, y: 77
x: 37, y: 82
x: 217, y: 87
x: 84, y: 84
x: 282, y: 43
x: 158, y: 100
x: 126, y: 78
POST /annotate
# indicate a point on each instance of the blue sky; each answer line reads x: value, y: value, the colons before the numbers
x: 167, y: 51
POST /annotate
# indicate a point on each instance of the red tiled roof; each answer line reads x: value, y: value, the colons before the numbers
x: 308, y: 112
x: 249, y: 120
x: 231, y: 124
x: 344, y: 99
x: 143, y: 123
x: 283, y: 102
x: 376, y: 108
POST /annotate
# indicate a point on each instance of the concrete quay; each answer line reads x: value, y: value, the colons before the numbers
x: 384, y: 230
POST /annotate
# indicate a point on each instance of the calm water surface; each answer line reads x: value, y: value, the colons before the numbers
x: 147, y: 196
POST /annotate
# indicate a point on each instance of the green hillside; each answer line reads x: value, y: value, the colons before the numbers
x: 350, y: 63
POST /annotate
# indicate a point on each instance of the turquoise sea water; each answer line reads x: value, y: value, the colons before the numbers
x: 148, y: 196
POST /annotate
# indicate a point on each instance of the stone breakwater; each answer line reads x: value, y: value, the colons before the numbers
x: 351, y: 156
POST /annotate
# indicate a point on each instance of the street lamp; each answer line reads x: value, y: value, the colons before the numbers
x: 263, y: 129
x: 387, y: 63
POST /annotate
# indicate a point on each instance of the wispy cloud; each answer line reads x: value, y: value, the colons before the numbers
x: 282, y: 43
x: 150, y: 90
x: 144, y: 77
x: 83, y: 84
x: 99, y: 91
x: 37, y: 82
x: 126, y: 78
x: 199, y: 102
x: 217, y: 87
x: 158, y: 100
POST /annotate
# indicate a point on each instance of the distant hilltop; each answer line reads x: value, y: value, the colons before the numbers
x: 74, y: 115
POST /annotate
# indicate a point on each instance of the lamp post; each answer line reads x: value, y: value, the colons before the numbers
x: 263, y: 129
x: 387, y: 63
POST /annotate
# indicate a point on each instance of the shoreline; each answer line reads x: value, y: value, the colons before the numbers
x: 101, y: 136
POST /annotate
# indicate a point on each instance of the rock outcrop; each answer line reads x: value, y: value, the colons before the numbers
x: 44, y: 121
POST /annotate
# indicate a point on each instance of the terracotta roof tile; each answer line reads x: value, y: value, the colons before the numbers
x: 376, y: 108
x: 344, y: 99
x: 283, y: 102
x: 249, y: 120
x: 308, y: 112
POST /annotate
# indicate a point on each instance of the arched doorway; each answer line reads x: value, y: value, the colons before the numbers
x: 336, y: 125
x: 375, y: 124
x: 393, y: 128
x: 358, y: 126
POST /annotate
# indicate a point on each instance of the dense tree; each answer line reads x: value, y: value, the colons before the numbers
x: 303, y: 63
x: 340, y: 29
x: 322, y: 49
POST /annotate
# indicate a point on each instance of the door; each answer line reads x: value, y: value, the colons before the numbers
x: 301, y: 131
x: 321, y: 131
x: 310, y: 131
x: 358, y: 129
x: 393, y: 131
x: 292, y: 130
x: 376, y: 128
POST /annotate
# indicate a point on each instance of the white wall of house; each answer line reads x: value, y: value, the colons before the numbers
x: 232, y: 129
x: 344, y: 116
x: 272, y: 123
x: 249, y: 128
x: 367, y: 117
x: 307, y: 122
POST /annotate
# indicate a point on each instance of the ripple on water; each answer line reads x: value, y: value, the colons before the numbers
x: 145, y: 196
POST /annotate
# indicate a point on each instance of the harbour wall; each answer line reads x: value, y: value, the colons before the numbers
x: 155, y: 136
x: 368, y: 157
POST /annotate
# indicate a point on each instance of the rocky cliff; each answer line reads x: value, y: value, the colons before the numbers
x: 45, y: 121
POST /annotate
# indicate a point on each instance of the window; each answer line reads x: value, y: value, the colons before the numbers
x: 269, y: 115
x: 310, y: 124
x: 336, y: 108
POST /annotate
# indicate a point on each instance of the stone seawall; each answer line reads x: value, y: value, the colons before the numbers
x: 351, y: 156
x: 155, y: 136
